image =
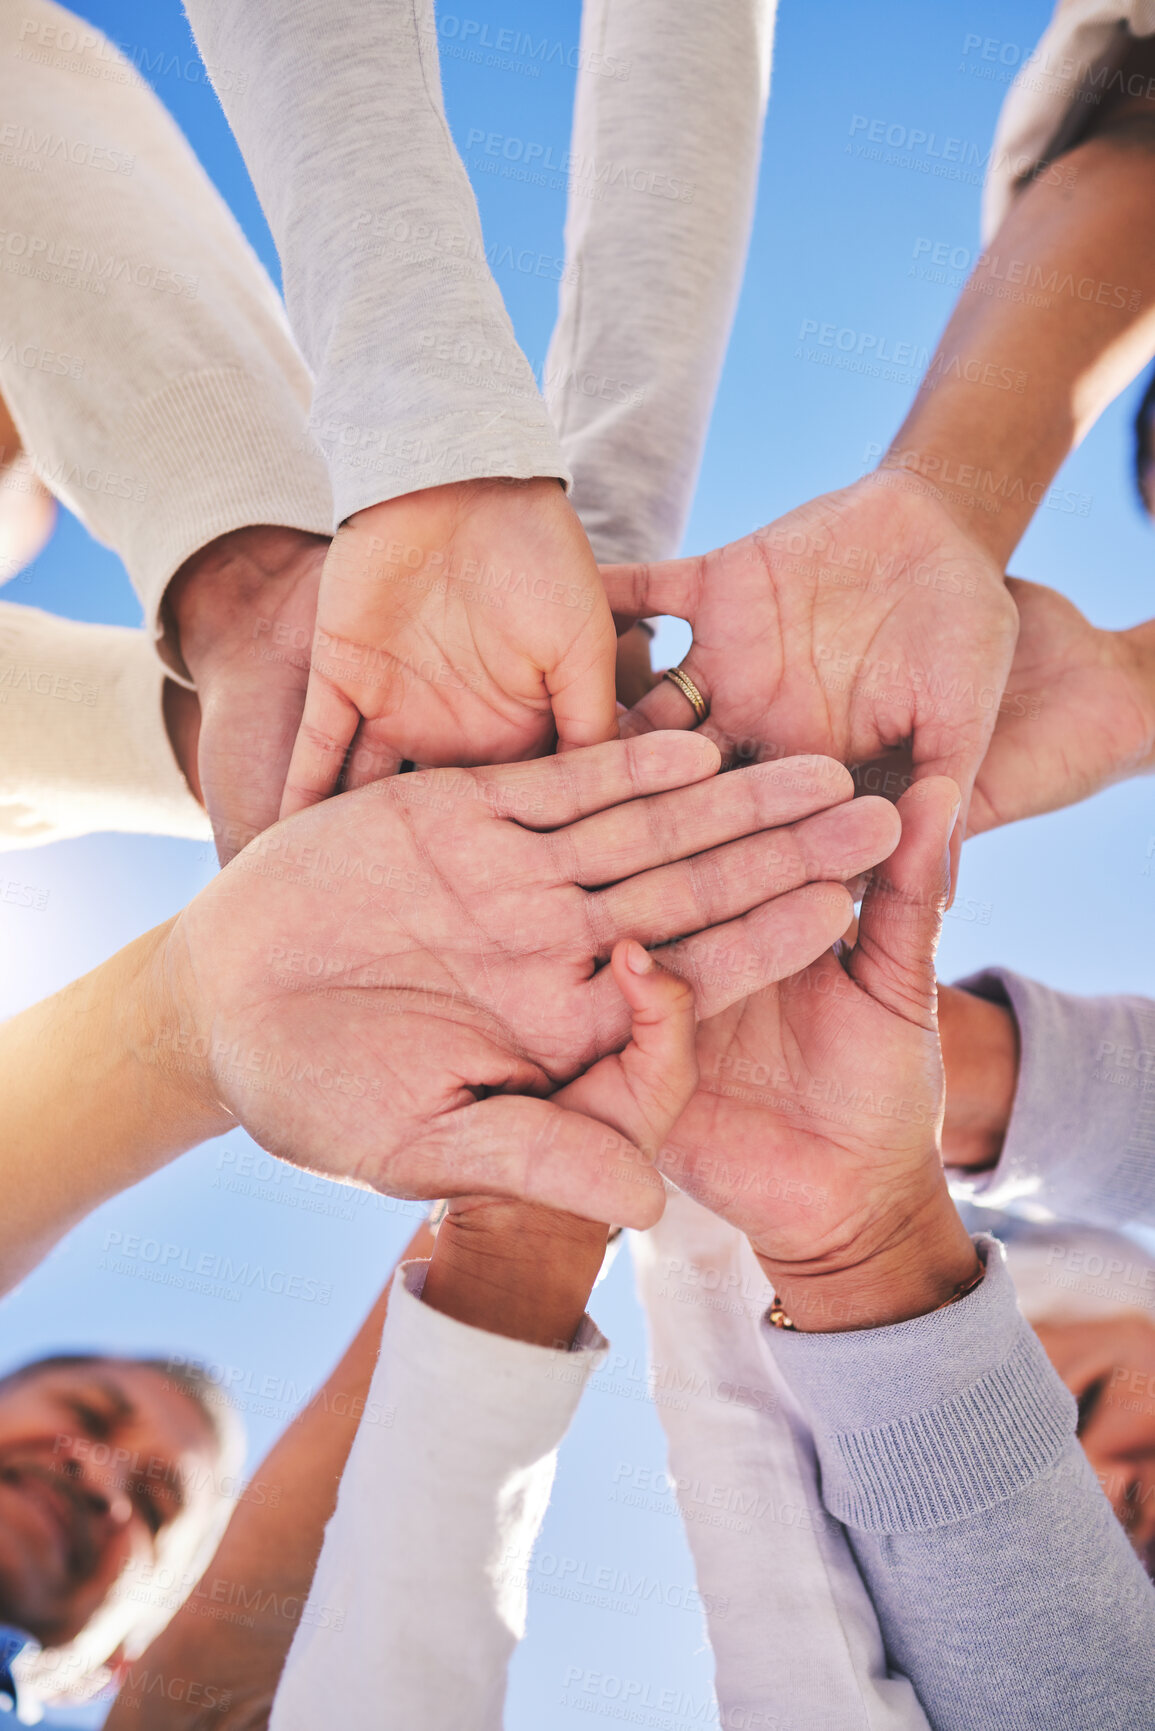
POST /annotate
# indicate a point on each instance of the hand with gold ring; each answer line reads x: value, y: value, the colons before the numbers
x: 864, y: 621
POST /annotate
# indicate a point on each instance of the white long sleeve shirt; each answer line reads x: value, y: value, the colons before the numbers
x: 420, y: 1592
x: 149, y: 369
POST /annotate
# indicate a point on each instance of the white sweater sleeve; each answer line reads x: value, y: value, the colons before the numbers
x: 337, y: 107
x: 795, y: 1637
x: 83, y: 745
x: 671, y: 96
x: 145, y: 356
x: 420, y: 1592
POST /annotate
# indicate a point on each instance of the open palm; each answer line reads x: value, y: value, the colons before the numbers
x: 860, y: 622
x: 1078, y: 712
x: 814, y: 1125
x: 388, y: 976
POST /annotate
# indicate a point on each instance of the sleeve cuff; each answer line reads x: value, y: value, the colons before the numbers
x: 523, y: 1396
x: 85, y: 748
x: 1080, y: 1144
x: 219, y: 450
x: 931, y: 1421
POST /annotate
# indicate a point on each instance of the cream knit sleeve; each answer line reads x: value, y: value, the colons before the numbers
x: 337, y: 107
x: 83, y: 745
x: 145, y: 356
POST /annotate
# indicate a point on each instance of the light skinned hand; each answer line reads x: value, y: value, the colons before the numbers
x: 518, y: 1269
x: 814, y: 1128
x: 378, y: 988
x: 1108, y: 1363
x: 241, y: 616
x: 465, y: 624
x: 1078, y: 712
x: 859, y: 622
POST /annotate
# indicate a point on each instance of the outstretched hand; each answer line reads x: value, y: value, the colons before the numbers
x: 862, y: 621
x: 1078, y: 712
x: 386, y: 987
x: 465, y: 624
x: 814, y: 1128
x: 518, y: 1269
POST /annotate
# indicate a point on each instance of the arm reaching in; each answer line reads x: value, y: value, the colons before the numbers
x: 466, y: 624
x: 946, y: 1442
x: 385, y: 987
x: 876, y: 617
x: 460, y: 617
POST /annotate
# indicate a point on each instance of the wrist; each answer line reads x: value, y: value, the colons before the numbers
x: 171, y: 1041
x: 515, y: 1269
x: 981, y: 1056
x: 968, y: 489
x: 917, y: 1268
x: 230, y: 592
x: 1137, y: 648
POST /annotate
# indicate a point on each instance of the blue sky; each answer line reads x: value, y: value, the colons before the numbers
x: 1068, y: 898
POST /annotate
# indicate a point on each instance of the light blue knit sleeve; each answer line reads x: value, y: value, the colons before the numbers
x: 1005, y: 1588
x: 1080, y: 1144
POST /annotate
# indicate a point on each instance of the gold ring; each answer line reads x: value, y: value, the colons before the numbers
x: 689, y: 691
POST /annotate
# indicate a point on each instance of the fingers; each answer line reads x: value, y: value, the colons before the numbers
x: 371, y: 758
x: 327, y: 729
x: 644, y: 1091
x: 510, y: 1145
x: 902, y: 910
x: 960, y: 768
x: 553, y: 791
x: 584, y: 701
x: 695, y: 894
x: 665, y: 705
x: 244, y: 748
x: 731, y: 961
x: 670, y: 586
x: 617, y: 843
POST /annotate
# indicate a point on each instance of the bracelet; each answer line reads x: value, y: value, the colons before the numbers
x: 777, y: 1318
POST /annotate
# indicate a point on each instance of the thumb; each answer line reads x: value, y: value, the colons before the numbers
x: 537, y: 1151
x: 961, y: 768
x: 667, y: 585
x: 642, y: 1092
x: 898, y: 930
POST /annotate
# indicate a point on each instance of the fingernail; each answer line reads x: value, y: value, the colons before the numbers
x: 638, y: 960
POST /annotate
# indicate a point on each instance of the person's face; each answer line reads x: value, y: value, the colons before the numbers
x: 96, y: 1463
x: 1108, y: 1363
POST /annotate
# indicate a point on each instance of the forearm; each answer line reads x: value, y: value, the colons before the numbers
x: 83, y: 745
x: 419, y: 1596
x: 95, y: 1098
x: 947, y: 1450
x: 1075, y: 1135
x: 676, y: 95
x: 269, y: 1552
x: 338, y: 111
x: 130, y: 243
x: 1056, y: 320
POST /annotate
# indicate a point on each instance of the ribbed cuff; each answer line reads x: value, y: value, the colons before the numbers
x: 931, y: 1421
x: 1080, y: 1144
x: 218, y: 450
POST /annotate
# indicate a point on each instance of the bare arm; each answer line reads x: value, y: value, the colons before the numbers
x: 1057, y: 319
